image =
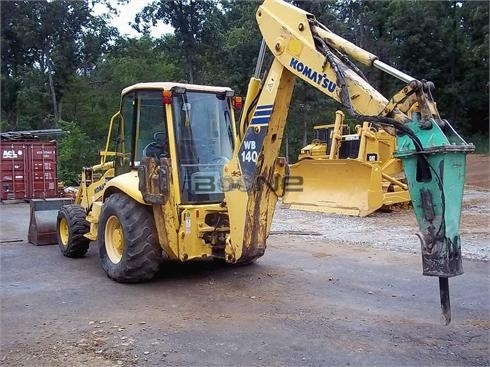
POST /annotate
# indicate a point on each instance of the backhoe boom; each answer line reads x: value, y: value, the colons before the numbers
x: 305, y: 49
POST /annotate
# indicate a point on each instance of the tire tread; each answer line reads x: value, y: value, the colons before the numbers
x: 78, y: 244
x: 142, y: 255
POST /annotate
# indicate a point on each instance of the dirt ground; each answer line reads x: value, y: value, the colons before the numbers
x: 330, y: 290
x: 478, y: 171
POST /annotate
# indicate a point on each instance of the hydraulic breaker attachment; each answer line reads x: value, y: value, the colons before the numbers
x: 434, y: 165
x: 42, y: 224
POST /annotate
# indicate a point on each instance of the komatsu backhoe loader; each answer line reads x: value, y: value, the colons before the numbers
x: 212, y: 191
x: 350, y: 173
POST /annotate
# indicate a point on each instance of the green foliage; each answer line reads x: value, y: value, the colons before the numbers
x: 309, y: 107
x: 189, y: 18
x: 75, y: 151
x: 481, y: 143
x: 448, y: 45
x: 234, y: 61
x: 59, y: 61
x: 44, y: 44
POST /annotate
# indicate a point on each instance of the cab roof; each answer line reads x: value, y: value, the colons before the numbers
x: 170, y: 85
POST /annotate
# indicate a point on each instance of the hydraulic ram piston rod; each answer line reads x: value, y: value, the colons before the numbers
x: 392, y: 71
x: 359, y: 54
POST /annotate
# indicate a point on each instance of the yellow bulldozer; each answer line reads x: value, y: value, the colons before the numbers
x: 348, y: 173
x: 180, y: 180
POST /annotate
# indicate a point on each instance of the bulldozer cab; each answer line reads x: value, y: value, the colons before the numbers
x: 190, y: 127
x: 323, y: 133
x: 320, y: 147
x: 347, y: 147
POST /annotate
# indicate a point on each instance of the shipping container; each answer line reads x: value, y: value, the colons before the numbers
x: 28, y: 170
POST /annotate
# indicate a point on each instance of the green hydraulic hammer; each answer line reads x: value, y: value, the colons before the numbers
x: 434, y: 164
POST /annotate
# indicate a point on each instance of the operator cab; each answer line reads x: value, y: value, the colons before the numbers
x: 190, y: 127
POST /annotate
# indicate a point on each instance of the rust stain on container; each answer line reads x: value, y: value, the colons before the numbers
x: 28, y: 170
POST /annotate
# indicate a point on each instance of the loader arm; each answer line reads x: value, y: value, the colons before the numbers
x: 303, y: 48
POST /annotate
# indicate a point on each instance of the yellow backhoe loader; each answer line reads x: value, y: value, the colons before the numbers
x: 211, y: 191
x: 348, y: 173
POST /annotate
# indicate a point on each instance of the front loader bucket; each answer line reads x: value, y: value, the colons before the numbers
x: 340, y: 186
x: 42, y: 224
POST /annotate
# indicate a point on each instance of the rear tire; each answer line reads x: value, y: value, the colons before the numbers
x: 71, y: 225
x: 128, y: 248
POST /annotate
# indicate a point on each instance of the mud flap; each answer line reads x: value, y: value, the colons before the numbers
x: 340, y: 186
x: 42, y: 224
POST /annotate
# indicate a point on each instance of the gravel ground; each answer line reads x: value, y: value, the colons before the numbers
x: 331, y: 290
x: 390, y: 230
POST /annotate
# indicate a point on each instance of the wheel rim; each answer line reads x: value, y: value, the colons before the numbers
x: 114, y: 239
x: 64, y: 231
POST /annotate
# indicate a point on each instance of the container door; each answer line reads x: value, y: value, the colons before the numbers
x: 14, y: 171
x: 43, y: 180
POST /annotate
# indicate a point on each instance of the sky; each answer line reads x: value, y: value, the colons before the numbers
x: 126, y: 16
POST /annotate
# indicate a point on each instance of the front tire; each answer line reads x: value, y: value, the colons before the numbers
x: 71, y: 225
x: 128, y: 247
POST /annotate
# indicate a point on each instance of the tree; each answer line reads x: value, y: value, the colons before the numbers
x: 473, y: 84
x: 56, y: 38
x: 188, y: 18
x: 58, y: 60
x: 75, y: 150
x: 449, y: 46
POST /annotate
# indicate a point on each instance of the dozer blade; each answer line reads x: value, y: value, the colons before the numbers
x: 340, y: 186
x: 42, y: 224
